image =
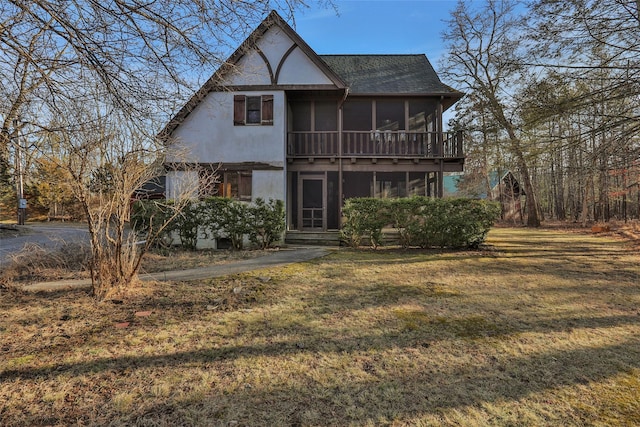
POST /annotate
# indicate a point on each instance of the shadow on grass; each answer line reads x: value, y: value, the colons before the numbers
x: 386, y: 394
x: 419, y: 390
x: 412, y: 330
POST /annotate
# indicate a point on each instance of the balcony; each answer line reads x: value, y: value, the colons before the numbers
x: 376, y: 144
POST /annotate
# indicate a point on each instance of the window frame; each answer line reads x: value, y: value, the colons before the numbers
x: 236, y: 184
x: 241, y: 111
x: 233, y: 181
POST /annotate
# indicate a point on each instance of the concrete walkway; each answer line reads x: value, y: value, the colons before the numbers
x: 285, y: 256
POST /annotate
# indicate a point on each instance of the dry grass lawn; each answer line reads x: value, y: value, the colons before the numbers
x: 71, y: 261
x: 542, y: 327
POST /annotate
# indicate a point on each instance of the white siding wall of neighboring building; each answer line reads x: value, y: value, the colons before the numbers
x: 182, y: 184
x: 250, y: 70
x: 298, y: 69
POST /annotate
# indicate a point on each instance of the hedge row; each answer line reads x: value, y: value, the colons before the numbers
x: 216, y: 217
x: 420, y: 221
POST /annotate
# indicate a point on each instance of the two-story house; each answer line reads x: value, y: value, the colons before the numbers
x: 280, y: 121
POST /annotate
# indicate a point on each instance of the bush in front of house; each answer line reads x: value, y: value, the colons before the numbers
x: 227, y: 218
x: 188, y: 223
x: 262, y: 222
x: 420, y: 221
x: 164, y: 219
x: 267, y: 222
x: 215, y: 217
x: 402, y: 215
x: 456, y: 223
x: 152, y: 218
x: 363, y: 219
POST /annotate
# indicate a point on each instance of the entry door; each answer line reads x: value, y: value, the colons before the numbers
x: 312, y: 213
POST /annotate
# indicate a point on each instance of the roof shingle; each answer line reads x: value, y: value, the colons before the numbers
x: 387, y: 74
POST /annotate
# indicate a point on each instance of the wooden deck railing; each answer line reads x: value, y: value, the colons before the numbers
x: 376, y: 144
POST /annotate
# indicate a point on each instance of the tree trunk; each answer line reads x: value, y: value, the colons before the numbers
x: 533, y: 219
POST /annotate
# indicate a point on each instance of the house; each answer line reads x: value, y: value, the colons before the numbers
x: 506, y: 189
x: 279, y: 121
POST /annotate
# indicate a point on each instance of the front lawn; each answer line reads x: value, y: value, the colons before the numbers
x: 540, y: 327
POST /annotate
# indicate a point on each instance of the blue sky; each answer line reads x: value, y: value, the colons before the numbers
x: 383, y: 26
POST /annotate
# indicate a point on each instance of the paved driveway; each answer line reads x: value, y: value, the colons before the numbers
x: 50, y: 235
x: 46, y: 235
x: 274, y: 259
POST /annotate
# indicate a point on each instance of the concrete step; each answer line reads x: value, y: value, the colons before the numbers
x: 320, y: 238
x: 332, y: 238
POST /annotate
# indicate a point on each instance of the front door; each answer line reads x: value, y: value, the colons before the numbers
x: 312, y: 210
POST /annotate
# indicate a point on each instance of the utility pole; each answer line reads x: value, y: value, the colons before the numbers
x: 22, y: 202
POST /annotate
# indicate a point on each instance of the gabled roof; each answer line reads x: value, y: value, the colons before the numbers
x: 274, y: 19
x: 388, y: 74
x: 358, y: 74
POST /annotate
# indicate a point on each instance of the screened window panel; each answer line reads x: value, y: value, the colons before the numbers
x: 357, y: 115
x: 390, y: 115
x: 253, y: 109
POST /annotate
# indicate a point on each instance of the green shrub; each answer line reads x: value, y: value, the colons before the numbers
x: 224, y: 217
x: 160, y: 219
x: 188, y: 223
x: 262, y: 222
x: 485, y: 214
x: 150, y: 217
x: 434, y: 223
x: 456, y: 223
x: 266, y: 222
x: 421, y: 221
x: 213, y: 216
x: 364, y: 218
x: 403, y: 216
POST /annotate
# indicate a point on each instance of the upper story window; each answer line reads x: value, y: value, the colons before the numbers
x: 390, y: 115
x: 309, y: 116
x: 422, y: 115
x: 357, y: 115
x: 252, y: 110
x: 414, y: 115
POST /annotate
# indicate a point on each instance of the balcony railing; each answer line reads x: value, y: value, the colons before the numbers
x: 376, y: 144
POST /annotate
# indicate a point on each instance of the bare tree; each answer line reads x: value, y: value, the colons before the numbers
x: 101, y: 77
x: 482, y: 44
x: 592, y: 47
x: 23, y: 80
x: 106, y: 161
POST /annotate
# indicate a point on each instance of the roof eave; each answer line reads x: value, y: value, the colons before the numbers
x: 456, y: 95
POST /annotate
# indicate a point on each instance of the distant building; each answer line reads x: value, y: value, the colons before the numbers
x: 504, y: 188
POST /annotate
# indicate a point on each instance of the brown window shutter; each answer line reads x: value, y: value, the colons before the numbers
x: 267, y: 110
x: 239, y: 110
